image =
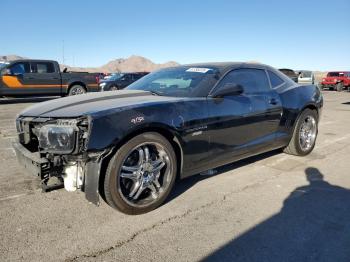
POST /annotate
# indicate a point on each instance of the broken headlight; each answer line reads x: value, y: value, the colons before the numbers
x: 57, y: 138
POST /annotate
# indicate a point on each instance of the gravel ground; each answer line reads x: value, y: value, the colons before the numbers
x: 273, y: 207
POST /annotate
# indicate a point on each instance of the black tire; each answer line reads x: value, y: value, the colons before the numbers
x: 112, y: 182
x: 294, y: 147
x: 76, y: 90
x: 339, y: 87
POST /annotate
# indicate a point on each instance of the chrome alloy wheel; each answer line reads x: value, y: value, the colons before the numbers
x: 144, y: 175
x: 307, y: 133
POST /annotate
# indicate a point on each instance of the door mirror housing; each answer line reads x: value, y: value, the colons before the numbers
x: 229, y: 89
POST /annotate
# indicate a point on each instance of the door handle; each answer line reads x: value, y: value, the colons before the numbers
x: 273, y: 101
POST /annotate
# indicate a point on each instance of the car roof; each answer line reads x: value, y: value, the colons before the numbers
x: 32, y: 60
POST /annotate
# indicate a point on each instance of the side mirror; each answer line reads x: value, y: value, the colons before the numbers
x: 229, y: 89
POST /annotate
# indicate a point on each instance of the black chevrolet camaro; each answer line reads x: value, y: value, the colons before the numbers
x: 129, y: 146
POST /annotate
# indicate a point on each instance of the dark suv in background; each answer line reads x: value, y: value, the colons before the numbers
x: 120, y: 80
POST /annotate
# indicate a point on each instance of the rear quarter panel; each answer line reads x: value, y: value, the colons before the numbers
x: 294, y: 100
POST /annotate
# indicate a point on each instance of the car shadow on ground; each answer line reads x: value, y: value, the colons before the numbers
x: 20, y: 100
x: 183, y: 185
x: 346, y: 103
x: 313, y: 225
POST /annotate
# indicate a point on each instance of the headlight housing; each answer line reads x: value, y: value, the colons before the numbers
x: 57, y: 139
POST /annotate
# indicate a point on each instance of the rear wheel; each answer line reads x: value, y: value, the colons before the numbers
x: 76, y: 90
x: 339, y: 87
x: 141, y: 174
x: 304, y: 135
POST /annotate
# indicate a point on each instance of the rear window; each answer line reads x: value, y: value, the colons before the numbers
x: 275, y: 79
x: 43, y: 67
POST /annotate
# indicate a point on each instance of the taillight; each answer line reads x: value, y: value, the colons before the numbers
x: 97, y: 79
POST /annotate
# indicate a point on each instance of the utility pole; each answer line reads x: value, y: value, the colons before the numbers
x: 63, y: 61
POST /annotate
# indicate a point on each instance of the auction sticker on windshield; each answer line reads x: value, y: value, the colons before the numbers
x: 198, y: 69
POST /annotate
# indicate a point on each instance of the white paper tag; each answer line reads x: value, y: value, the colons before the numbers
x: 198, y: 70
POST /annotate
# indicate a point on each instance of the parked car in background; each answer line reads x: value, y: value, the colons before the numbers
x: 120, y: 80
x: 336, y: 80
x: 131, y: 146
x: 290, y: 73
x: 306, y: 77
x: 43, y: 77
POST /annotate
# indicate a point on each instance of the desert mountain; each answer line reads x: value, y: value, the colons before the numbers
x: 132, y: 64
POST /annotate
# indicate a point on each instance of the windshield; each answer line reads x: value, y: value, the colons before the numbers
x: 181, y: 81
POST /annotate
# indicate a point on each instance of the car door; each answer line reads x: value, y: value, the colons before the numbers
x: 13, y: 79
x: 44, y: 78
x: 125, y: 80
x: 242, y: 124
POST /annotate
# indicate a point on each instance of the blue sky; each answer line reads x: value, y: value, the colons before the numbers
x: 296, y: 34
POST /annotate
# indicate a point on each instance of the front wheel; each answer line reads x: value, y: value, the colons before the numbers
x: 141, y: 174
x: 304, y: 135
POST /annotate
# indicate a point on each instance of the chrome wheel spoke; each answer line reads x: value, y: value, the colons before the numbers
x: 146, y: 153
x: 138, y: 192
x: 130, y: 168
x: 135, y: 187
x: 141, y: 156
x: 159, y: 167
x: 154, y: 192
x: 132, y: 176
x: 156, y: 183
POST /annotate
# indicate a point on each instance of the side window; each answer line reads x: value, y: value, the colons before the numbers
x: 275, y: 79
x: 43, y: 67
x: 20, y: 68
x: 252, y: 80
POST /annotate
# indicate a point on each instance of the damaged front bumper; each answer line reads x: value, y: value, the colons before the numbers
x: 74, y: 175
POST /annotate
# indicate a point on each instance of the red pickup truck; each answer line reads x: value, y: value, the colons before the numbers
x: 336, y: 80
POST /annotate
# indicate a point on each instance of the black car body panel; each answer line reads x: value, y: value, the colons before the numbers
x: 207, y: 131
x: 29, y: 77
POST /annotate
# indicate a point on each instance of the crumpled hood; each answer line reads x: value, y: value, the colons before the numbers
x: 92, y: 103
